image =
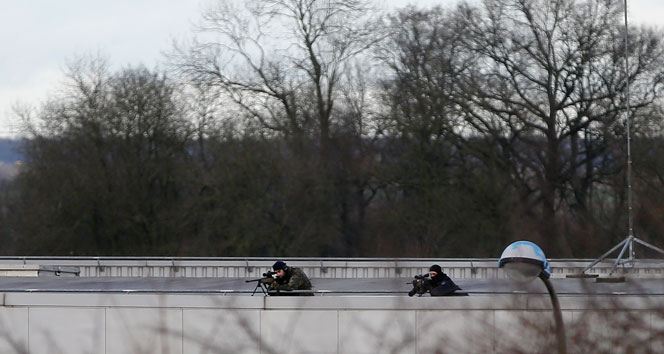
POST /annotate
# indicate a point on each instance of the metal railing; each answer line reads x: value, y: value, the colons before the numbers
x: 246, y: 267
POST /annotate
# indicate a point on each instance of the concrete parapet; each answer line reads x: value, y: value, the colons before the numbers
x: 180, y: 323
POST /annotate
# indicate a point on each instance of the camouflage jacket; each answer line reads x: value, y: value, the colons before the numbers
x: 295, y: 279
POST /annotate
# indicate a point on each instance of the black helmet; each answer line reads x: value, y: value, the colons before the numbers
x: 280, y: 265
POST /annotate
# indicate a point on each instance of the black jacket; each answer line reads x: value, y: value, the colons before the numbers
x: 442, y: 285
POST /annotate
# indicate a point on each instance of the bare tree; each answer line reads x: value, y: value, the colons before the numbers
x: 280, y: 61
x: 446, y: 185
x: 292, y: 69
x: 548, y: 83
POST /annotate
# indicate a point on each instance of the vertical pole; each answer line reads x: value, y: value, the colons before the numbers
x: 557, y: 314
x: 629, y: 140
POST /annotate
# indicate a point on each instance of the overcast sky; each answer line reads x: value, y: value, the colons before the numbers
x: 39, y: 36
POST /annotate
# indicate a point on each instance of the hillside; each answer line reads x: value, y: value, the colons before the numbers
x: 9, y: 156
x: 9, y: 153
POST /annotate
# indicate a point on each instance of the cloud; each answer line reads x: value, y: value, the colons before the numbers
x: 647, y: 12
x: 39, y: 36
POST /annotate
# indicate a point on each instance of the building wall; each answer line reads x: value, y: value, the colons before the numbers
x: 147, y: 323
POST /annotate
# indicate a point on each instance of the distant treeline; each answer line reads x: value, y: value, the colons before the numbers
x: 423, y: 133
